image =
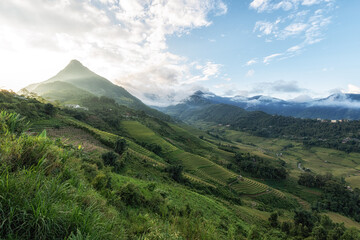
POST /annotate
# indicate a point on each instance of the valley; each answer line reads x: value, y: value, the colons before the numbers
x: 149, y: 175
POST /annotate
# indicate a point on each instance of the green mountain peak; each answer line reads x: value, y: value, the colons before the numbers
x: 74, y: 70
x: 76, y: 82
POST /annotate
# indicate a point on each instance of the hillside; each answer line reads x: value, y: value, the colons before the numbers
x: 76, y: 82
x: 169, y: 182
x: 341, y: 135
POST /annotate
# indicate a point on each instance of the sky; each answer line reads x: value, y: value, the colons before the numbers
x: 164, y: 50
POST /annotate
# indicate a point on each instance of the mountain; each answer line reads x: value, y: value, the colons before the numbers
x: 113, y: 173
x: 200, y: 109
x: 337, y: 106
x: 76, y: 82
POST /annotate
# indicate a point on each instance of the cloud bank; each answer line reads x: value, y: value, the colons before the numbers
x: 124, y: 41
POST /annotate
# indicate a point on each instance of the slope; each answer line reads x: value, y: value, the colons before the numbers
x: 341, y: 135
x: 73, y: 192
x: 194, y: 164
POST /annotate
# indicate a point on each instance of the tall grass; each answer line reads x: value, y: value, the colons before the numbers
x: 12, y: 123
x: 37, y: 197
x: 51, y: 192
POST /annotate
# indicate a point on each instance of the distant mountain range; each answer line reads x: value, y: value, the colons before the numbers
x: 335, y: 107
x: 75, y: 83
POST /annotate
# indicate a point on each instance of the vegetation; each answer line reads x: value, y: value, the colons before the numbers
x: 260, y: 167
x: 143, y: 178
x: 337, y: 195
x: 344, y: 136
x: 309, y: 226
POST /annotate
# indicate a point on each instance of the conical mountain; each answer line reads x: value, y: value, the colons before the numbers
x: 74, y: 70
x: 77, y: 82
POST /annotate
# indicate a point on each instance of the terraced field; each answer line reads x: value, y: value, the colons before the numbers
x: 317, y: 159
x: 199, y: 169
x: 203, y: 169
x: 143, y: 134
x: 112, y: 138
x: 249, y: 186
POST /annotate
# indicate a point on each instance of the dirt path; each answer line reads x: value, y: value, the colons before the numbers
x: 300, y: 167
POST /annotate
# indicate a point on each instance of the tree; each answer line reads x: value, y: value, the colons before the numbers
x: 319, y: 233
x: 305, y: 218
x: 175, y: 172
x: 285, y: 227
x: 273, y: 219
x: 351, y: 234
x: 255, y: 233
x: 120, y: 146
x: 109, y: 158
x: 337, y: 232
x: 49, y: 109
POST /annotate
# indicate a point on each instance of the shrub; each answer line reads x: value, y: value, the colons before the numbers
x: 49, y: 109
x: 130, y: 194
x: 90, y: 170
x: 12, y: 123
x: 273, y: 219
x: 175, y: 173
x: 109, y: 158
x: 101, y: 181
x: 120, y: 146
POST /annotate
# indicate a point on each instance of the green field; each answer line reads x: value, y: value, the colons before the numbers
x: 205, y: 169
x: 318, y: 160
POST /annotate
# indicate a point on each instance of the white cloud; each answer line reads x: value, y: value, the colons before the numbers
x: 259, y: 5
x: 305, y: 22
x: 295, y: 28
x: 208, y: 71
x: 286, y: 5
x: 302, y: 98
x: 222, y: 8
x: 294, y: 48
x: 312, y: 2
x: 353, y: 89
x: 271, y: 57
x: 250, y: 73
x: 121, y: 40
x: 211, y: 69
x: 278, y: 88
x: 265, y: 28
x: 251, y: 62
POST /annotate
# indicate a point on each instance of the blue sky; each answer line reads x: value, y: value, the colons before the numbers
x: 164, y: 50
x: 317, y: 69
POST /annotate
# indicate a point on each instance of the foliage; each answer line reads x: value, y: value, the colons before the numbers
x: 175, y: 172
x: 312, y: 180
x: 120, y: 146
x: 343, y: 136
x: 98, y: 201
x: 336, y: 196
x: 109, y: 158
x: 308, y: 225
x: 260, y: 167
x: 12, y: 123
x: 155, y: 148
x: 67, y: 195
x: 273, y: 219
x: 49, y: 109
